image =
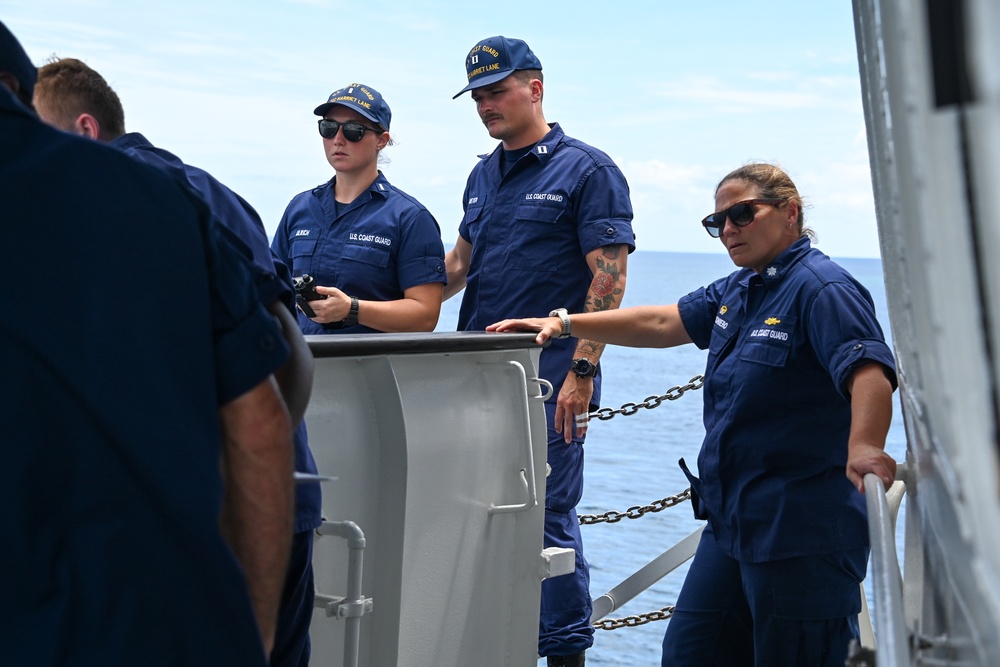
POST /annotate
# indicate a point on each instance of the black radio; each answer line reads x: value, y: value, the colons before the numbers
x: 305, y: 291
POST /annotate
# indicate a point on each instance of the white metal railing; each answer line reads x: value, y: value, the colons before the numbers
x: 354, y: 605
x: 646, y: 576
x: 887, y: 583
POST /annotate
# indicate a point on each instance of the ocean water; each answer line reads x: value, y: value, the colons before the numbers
x: 632, y: 460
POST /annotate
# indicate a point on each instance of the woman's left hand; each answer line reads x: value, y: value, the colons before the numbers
x: 863, y: 459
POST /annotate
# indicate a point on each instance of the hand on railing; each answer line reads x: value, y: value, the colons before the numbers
x: 863, y: 458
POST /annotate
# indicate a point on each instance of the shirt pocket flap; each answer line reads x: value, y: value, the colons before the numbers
x: 770, y: 341
x: 540, y: 211
x: 367, y: 254
x: 474, y: 209
x: 304, y: 248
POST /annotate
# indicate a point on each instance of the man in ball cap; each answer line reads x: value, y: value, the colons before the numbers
x: 543, y: 210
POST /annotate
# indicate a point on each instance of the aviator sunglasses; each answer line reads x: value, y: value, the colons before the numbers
x: 741, y: 213
x: 353, y: 130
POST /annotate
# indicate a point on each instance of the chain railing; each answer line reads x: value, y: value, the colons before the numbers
x: 637, y: 511
x: 629, y: 409
x: 635, y: 621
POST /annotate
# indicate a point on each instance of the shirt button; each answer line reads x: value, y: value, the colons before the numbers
x: 858, y: 346
x: 440, y: 268
x: 610, y: 231
x: 266, y: 343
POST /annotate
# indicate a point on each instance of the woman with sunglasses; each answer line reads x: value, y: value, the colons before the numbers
x: 372, y: 252
x: 798, y: 400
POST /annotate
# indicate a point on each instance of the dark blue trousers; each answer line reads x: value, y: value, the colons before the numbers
x: 564, y: 623
x: 793, y: 612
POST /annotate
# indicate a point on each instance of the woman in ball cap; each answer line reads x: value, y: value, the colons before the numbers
x: 374, y: 253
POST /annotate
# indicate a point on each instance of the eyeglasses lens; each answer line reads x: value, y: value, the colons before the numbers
x: 353, y: 132
x: 741, y: 214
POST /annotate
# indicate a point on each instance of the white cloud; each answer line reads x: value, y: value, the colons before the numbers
x: 230, y: 86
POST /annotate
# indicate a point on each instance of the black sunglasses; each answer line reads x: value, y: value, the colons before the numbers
x: 741, y: 213
x: 353, y: 131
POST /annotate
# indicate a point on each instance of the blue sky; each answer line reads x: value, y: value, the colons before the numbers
x: 678, y: 93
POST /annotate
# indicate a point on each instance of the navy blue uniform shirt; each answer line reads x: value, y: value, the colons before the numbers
x: 382, y: 243
x: 272, y: 280
x: 531, y: 231
x: 232, y: 210
x: 781, y: 346
x: 113, y: 344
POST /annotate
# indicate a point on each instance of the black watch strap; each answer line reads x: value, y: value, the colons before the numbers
x: 352, y: 315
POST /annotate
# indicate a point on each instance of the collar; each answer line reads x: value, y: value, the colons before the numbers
x: 324, y: 195
x: 780, y: 266
x: 380, y: 186
x: 542, y: 150
x: 130, y: 140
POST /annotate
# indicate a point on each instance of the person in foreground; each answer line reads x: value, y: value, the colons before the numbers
x: 548, y: 222
x: 147, y: 451
x: 71, y: 96
x: 374, y: 252
x: 798, y: 400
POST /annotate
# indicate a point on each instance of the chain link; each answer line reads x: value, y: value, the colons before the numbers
x: 613, y: 516
x: 635, y: 621
x: 636, y: 511
x: 629, y: 409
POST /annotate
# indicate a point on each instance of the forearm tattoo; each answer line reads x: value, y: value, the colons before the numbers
x: 606, y: 290
x: 608, y: 285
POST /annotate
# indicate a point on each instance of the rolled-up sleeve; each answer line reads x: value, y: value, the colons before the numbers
x: 846, y: 335
x: 248, y: 341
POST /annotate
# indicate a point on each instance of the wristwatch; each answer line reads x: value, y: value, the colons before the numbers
x: 584, y: 368
x: 563, y: 315
x: 352, y: 315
